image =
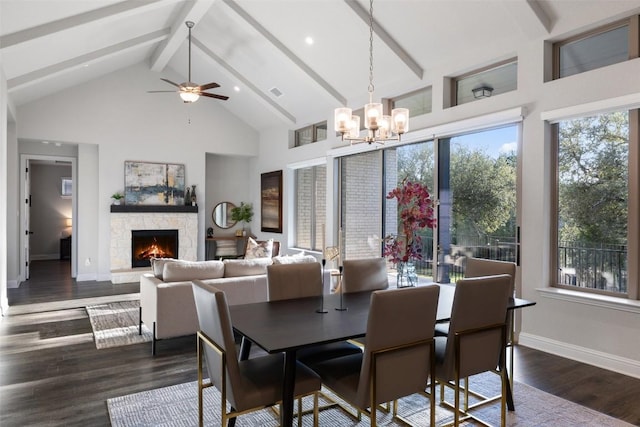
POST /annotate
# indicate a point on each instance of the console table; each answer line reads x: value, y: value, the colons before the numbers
x: 225, y: 247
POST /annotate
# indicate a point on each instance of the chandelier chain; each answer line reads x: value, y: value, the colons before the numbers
x: 371, y: 51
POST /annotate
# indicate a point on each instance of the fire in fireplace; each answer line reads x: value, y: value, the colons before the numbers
x: 147, y: 244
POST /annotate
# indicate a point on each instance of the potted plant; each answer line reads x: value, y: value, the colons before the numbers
x: 415, y: 212
x: 117, y: 196
x: 242, y: 213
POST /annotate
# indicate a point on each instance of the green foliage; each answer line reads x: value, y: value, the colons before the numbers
x: 592, y: 179
x: 242, y: 213
x: 117, y: 196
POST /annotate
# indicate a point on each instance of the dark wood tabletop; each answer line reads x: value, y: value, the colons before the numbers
x: 286, y: 326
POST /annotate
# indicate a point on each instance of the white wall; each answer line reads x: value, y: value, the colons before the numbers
x: 227, y: 181
x: 116, y: 114
x: 4, y: 124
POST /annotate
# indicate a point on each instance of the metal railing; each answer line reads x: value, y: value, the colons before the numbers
x: 601, y: 267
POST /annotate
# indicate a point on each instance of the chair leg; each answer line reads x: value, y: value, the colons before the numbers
x: 153, y: 340
x: 315, y: 409
x: 140, y: 321
x: 300, y: 412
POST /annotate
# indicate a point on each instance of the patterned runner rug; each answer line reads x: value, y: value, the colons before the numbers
x: 178, y: 406
x: 116, y: 324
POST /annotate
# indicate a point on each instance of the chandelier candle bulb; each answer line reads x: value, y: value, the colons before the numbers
x: 354, y: 127
x: 400, y: 120
x: 342, y: 116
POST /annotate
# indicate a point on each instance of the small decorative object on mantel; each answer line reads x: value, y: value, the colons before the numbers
x: 243, y: 213
x: 117, y: 196
x: 194, y: 200
x: 187, y: 197
x: 415, y: 212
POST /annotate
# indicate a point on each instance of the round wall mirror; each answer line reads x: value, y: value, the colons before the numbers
x: 221, y: 215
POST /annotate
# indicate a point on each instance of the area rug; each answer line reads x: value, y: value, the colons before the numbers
x: 116, y: 324
x: 178, y: 406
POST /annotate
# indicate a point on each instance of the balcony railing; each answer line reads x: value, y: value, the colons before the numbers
x: 603, y: 267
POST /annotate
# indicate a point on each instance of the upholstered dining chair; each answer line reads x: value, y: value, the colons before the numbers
x: 478, y: 267
x: 398, y: 359
x: 247, y: 385
x: 368, y: 274
x: 290, y: 281
x: 477, y: 339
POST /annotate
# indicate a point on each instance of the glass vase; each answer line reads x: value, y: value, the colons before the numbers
x: 407, y: 275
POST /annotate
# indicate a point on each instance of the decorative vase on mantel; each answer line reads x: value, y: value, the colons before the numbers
x: 187, y: 197
x: 407, y: 276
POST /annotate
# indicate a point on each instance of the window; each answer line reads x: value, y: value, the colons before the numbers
x: 310, y: 207
x: 604, y: 46
x: 311, y: 134
x: 361, y: 205
x: 418, y: 102
x: 490, y: 81
x: 592, y: 196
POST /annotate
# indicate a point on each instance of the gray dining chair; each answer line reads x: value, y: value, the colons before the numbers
x: 398, y: 359
x: 476, y: 342
x: 478, y: 267
x: 248, y: 385
x: 368, y: 274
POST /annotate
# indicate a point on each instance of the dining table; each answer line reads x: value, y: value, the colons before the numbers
x: 286, y: 326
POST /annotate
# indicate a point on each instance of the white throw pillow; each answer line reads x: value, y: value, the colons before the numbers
x: 246, y: 267
x: 294, y: 259
x: 258, y: 250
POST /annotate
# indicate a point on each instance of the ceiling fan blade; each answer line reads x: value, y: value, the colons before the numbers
x: 213, y: 95
x: 209, y: 86
x: 171, y: 83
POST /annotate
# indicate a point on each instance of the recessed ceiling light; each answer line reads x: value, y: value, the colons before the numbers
x: 45, y: 142
x: 58, y: 144
x: 236, y: 88
x: 309, y: 40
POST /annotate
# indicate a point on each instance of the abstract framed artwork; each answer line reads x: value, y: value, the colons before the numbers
x: 156, y: 184
x: 271, y: 201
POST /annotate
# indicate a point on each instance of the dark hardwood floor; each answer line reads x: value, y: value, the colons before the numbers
x: 51, y: 374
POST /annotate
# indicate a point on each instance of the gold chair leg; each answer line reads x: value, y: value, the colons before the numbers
x: 315, y: 409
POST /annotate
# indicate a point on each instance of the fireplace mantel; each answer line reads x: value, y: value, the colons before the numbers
x: 153, y: 208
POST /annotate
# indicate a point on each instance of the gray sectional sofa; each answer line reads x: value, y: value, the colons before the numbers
x: 167, y: 306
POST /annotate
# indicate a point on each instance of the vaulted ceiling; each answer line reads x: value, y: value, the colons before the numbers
x: 260, y: 48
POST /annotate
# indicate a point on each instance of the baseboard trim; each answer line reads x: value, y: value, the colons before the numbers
x: 600, y: 359
x: 86, y: 277
x: 12, y: 284
x: 44, y: 257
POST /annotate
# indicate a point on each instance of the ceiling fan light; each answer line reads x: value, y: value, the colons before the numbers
x: 189, y: 97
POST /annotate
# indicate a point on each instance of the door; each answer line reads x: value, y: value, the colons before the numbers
x: 26, y: 217
x: 477, y: 194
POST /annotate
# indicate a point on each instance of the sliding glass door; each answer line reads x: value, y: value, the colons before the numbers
x: 477, y: 195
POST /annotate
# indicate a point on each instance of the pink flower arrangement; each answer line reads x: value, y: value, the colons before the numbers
x: 415, y: 212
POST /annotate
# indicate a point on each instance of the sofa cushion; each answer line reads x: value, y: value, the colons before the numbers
x: 258, y: 250
x: 191, y: 270
x: 157, y: 265
x: 246, y: 267
x: 294, y: 259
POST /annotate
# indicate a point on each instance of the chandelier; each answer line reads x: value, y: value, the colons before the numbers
x: 380, y: 127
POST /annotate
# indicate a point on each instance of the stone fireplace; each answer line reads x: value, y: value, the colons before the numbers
x: 127, y: 219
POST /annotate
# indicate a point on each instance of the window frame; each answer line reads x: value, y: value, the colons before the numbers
x: 314, y: 237
x: 633, y: 22
x: 453, y: 86
x: 633, y: 208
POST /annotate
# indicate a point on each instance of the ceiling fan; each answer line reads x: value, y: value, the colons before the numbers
x: 189, y: 91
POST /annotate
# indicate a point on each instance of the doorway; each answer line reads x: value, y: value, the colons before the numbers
x: 47, y: 215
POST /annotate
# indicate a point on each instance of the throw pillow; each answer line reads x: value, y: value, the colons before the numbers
x: 258, y: 250
x: 294, y: 259
x: 192, y: 270
x: 157, y: 265
x: 246, y: 267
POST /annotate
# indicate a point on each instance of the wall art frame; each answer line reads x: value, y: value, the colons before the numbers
x: 149, y: 183
x: 271, y: 201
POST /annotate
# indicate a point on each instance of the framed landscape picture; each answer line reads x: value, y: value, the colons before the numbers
x: 156, y: 184
x: 271, y: 201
